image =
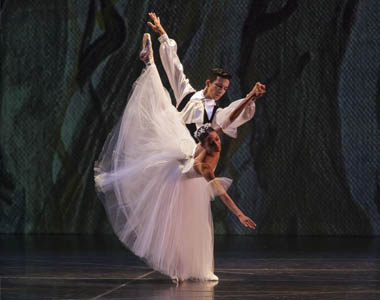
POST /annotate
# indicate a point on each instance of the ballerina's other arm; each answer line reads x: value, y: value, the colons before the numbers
x: 209, y: 175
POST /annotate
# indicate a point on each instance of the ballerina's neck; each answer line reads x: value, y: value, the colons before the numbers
x: 211, y: 158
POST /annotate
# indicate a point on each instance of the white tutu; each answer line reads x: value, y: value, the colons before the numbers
x: 157, y: 210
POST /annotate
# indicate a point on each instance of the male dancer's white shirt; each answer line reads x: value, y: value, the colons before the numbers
x: 193, y: 112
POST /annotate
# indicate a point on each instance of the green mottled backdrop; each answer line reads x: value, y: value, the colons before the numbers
x: 307, y: 164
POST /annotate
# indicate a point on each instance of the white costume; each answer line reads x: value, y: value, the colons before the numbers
x: 158, y: 206
x: 193, y: 112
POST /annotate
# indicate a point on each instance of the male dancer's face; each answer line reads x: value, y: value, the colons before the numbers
x: 216, y: 89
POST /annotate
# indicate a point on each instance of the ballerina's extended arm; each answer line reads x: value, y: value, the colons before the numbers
x: 209, y: 175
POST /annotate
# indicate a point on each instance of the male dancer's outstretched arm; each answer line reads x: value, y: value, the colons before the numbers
x: 258, y: 91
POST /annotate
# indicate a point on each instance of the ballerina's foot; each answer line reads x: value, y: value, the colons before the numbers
x: 213, y: 277
x: 177, y: 280
x: 146, y: 54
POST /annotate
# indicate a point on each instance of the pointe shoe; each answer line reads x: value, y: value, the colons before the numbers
x: 146, y: 54
x: 177, y: 280
x: 213, y: 277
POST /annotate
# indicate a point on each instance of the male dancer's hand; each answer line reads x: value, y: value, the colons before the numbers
x: 258, y: 91
x: 156, y: 25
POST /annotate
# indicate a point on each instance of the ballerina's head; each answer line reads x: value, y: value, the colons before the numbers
x: 208, y: 138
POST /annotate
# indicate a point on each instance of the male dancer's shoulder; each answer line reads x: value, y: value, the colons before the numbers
x: 184, y: 101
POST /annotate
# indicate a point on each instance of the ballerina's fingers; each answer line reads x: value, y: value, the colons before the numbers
x: 249, y: 223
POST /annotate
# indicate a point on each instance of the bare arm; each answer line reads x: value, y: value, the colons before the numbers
x: 209, y: 175
x: 157, y: 27
x: 257, y: 91
x: 246, y: 221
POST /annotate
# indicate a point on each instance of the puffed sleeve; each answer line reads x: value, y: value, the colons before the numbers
x: 174, y: 69
x: 219, y: 186
x: 221, y: 118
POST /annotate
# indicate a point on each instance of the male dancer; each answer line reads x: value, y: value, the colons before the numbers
x: 199, y: 107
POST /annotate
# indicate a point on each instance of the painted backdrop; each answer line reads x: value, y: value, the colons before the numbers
x: 307, y: 164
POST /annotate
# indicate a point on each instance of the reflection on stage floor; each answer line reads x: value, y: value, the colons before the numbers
x: 99, y: 267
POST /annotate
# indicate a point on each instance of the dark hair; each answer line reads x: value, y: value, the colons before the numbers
x: 202, y: 132
x: 213, y: 73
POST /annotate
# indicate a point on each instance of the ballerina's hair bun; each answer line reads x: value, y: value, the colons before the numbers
x: 202, y: 132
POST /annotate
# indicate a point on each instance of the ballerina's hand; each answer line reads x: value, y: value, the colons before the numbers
x: 247, y: 222
x: 156, y: 25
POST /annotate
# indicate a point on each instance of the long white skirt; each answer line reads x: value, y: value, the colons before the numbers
x: 160, y: 213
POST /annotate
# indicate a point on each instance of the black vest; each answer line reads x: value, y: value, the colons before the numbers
x: 191, y: 127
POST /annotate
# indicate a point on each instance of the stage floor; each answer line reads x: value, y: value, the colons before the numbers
x: 99, y: 267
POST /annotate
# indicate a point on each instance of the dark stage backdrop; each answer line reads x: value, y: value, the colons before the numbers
x: 307, y: 164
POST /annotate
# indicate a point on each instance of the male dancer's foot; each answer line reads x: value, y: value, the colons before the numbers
x: 146, y: 54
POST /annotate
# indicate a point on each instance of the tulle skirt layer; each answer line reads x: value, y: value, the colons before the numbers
x: 159, y: 212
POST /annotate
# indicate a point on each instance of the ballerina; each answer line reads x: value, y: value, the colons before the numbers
x: 156, y: 183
